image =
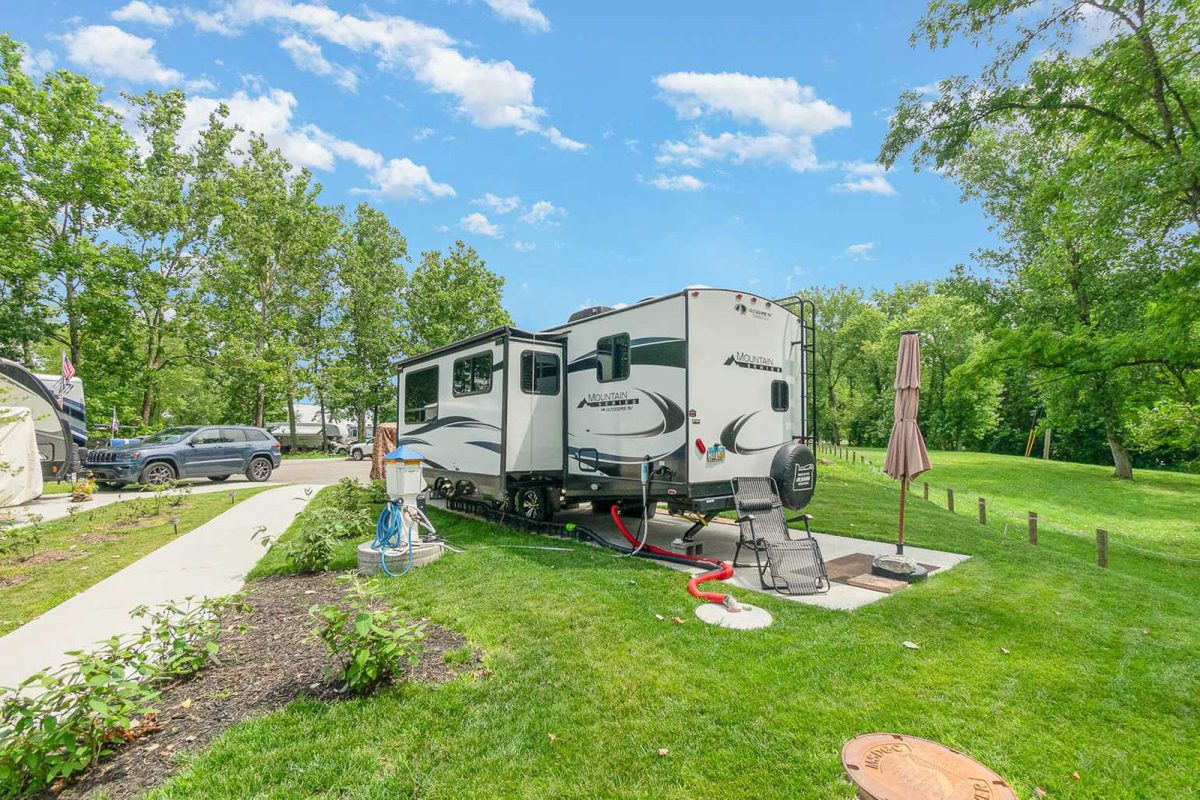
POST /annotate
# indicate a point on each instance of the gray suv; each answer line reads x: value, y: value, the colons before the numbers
x: 213, y: 452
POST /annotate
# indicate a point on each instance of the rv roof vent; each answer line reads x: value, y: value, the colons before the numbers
x: 588, y: 312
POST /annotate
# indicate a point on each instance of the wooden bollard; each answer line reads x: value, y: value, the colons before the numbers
x: 982, y: 511
x: 1101, y: 547
x: 926, y: 490
x: 950, y: 500
x: 1033, y: 527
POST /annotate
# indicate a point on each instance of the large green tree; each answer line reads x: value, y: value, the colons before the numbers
x: 370, y: 322
x: 451, y: 296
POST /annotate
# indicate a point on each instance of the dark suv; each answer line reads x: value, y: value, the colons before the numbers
x: 213, y: 452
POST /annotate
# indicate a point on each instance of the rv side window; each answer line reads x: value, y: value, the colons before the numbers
x: 612, y: 358
x: 473, y: 374
x: 421, y: 396
x: 779, y: 396
x: 539, y: 373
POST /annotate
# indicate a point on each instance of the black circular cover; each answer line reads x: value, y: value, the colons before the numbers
x: 794, y: 469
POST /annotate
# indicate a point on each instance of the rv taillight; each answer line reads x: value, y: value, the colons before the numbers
x: 700, y: 446
x: 695, y: 294
x: 739, y: 297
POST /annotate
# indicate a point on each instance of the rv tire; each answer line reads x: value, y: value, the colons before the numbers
x: 530, y: 504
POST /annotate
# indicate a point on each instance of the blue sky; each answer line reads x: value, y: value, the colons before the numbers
x: 594, y: 153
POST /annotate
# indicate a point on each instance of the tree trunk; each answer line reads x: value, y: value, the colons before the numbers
x: 361, y: 420
x: 293, y: 444
x: 147, y: 404
x: 834, y: 433
x: 321, y: 402
x: 1123, y: 468
x: 260, y: 404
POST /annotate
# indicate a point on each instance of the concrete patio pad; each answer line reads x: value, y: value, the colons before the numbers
x: 209, y: 561
x: 720, y: 540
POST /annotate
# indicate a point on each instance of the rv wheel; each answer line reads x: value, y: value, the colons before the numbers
x: 531, y: 504
x: 443, y: 488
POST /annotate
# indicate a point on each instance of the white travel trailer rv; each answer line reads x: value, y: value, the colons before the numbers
x: 55, y: 442
x: 703, y: 385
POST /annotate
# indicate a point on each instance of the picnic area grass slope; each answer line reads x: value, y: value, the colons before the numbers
x: 1033, y: 660
x: 79, y: 551
x: 1159, y: 510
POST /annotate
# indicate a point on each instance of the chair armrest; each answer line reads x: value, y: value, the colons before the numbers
x: 801, y: 518
x: 792, y: 537
x: 747, y: 518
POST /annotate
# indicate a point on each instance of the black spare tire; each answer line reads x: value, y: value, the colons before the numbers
x: 794, y: 469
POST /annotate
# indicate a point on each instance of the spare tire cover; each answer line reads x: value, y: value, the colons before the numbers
x: 794, y: 469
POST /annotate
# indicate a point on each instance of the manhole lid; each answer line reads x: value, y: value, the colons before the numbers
x: 888, y: 766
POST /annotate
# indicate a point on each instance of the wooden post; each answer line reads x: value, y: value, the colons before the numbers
x: 950, y: 500
x: 982, y: 511
x: 1101, y: 547
x: 1046, y: 446
x: 1033, y: 527
x: 926, y: 490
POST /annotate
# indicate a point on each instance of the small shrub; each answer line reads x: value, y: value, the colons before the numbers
x: 23, y: 542
x: 369, y: 641
x: 317, y: 532
x: 83, y: 489
x: 58, y: 722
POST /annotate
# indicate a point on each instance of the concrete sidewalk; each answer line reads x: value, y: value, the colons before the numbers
x: 209, y: 561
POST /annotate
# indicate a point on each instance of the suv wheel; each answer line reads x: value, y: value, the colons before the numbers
x: 157, y: 473
x: 259, y: 470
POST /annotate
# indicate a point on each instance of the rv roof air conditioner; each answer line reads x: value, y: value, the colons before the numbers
x: 587, y: 312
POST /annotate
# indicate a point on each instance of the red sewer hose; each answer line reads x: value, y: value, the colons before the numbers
x: 722, y: 572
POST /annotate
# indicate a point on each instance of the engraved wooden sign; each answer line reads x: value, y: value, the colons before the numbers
x: 888, y: 766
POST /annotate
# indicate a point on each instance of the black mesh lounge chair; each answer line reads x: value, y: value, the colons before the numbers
x: 794, y: 562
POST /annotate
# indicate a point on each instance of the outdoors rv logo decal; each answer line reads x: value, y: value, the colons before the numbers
x: 747, y: 361
x: 607, y: 400
x: 802, y: 481
x: 745, y: 310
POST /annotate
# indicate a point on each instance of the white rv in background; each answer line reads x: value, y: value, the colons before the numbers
x: 55, y: 441
x: 705, y: 385
x: 73, y: 406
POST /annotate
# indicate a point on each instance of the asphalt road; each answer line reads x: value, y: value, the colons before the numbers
x: 318, y: 470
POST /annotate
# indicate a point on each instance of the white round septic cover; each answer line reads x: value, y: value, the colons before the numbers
x: 748, y: 619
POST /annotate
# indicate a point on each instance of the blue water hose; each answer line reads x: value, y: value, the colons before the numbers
x: 388, y: 531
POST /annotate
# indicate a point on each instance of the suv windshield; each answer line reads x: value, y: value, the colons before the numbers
x: 169, y: 436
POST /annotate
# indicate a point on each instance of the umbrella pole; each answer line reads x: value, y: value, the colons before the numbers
x: 903, y: 492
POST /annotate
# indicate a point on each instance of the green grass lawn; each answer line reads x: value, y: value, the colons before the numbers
x: 1157, y: 510
x: 56, y: 487
x: 79, y: 551
x: 1100, y: 678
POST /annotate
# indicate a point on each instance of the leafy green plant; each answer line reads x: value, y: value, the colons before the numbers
x: 369, y: 641
x: 21, y: 541
x: 57, y: 722
x: 459, y: 656
x: 317, y: 533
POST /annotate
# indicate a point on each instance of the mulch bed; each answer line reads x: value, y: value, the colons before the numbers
x: 262, y: 667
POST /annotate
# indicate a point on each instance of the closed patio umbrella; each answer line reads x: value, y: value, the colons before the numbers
x: 906, y: 454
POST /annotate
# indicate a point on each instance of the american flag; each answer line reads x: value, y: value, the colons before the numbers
x: 64, y: 383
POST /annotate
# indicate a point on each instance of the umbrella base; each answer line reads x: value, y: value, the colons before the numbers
x: 900, y: 568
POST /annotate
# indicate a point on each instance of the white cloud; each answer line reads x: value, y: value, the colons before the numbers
x: 522, y: 12
x: 111, y: 51
x: 540, y: 212
x: 478, y: 223
x: 145, y: 13
x: 401, y: 179
x: 790, y: 114
x: 778, y: 104
x: 423, y: 134
x: 442, y: 229
x: 492, y: 94
x: 199, y: 85
x: 499, y: 205
x: 678, y: 183
x: 795, y: 152
x: 524, y: 247
x: 860, y: 252
x: 865, y: 177
x: 209, y: 22
x: 37, y: 64
x: 307, y: 56
x: 271, y: 114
